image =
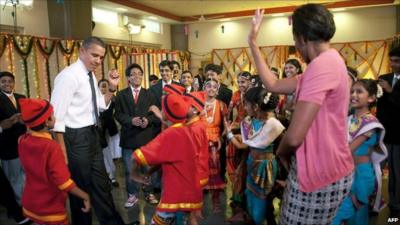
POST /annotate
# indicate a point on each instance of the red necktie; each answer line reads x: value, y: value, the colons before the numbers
x: 136, y: 95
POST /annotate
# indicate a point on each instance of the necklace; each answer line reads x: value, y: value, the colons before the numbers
x: 210, y: 106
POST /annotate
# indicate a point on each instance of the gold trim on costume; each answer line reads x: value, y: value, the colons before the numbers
x: 48, y: 218
x: 141, y: 157
x: 203, y: 181
x: 65, y: 185
x: 177, y: 125
x: 41, y: 134
x: 180, y: 205
x: 193, y: 120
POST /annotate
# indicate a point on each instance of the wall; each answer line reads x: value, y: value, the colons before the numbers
x: 34, y: 19
x: 351, y: 25
x: 147, y: 38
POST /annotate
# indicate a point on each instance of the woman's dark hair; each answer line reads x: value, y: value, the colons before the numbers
x: 371, y: 86
x: 353, y: 73
x: 313, y: 22
x: 296, y: 64
x: 132, y: 66
x: 102, y: 80
x: 258, y: 96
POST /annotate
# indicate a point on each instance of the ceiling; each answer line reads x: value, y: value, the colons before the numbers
x: 178, y: 11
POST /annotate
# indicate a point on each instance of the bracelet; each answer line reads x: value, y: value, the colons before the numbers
x: 112, y: 91
x: 229, y: 135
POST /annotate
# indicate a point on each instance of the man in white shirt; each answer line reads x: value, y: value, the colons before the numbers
x: 77, y: 101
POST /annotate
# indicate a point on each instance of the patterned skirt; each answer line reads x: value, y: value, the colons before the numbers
x: 313, y: 208
x: 215, y: 180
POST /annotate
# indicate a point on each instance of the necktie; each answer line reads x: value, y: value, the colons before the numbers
x: 94, y: 101
x: 12, y: 99
x: 136, y: 95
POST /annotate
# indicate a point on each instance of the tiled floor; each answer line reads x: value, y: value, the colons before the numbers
x: 144, y: 211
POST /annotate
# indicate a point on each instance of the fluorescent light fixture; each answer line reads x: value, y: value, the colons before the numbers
x: 121, y: 9
x: 225, y: 19
x: 338, y: 9
x: 105, y: 16
x: 152, y: 18
x: 134, y: 29
x: 278, y: 14
x: 20, y: 2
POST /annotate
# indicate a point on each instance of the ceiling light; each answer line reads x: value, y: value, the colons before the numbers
x: 225, y: 19
x: 121, y: 9
x: 338, y: 9
x: 134, y: 29
x: 278, y: 14
x: 152, y: 17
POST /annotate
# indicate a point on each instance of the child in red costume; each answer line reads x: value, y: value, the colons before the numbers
x: 48, y: 180
x: 173, y: 150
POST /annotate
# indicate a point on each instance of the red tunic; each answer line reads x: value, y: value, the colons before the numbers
x: 198, y: 130
x: 47, y: 179
x: 173, y: 150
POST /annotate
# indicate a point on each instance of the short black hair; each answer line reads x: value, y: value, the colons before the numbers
x: 395, y: 52
x: 102, y: 80
x: 93, y: 40
x: 38, y: 127
x: 132, y: 66
x: 7, y: 74
x: 165, y: 63
x: 153, y: 77
x: 173, y: 62
x: 313, y: 22
x: 187, y: 71
x: 213, y: 67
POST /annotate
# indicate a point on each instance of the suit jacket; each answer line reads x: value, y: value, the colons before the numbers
x: 157, y: 92
x: 133, y: 137
x: 9, y: 137
x: 224, y: 94
x: 388, y: 110
x: 107, y: 124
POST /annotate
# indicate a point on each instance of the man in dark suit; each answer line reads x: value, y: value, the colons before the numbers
x: 166, y: 68
x: 187, y: 81
x: 132, y: 112
x: 215, y: 72
x: 10, y: 112
x: 388, y: 111
x: 225, y: 95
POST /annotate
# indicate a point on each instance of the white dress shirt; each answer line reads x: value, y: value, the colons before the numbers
x: 133, y: 91
x: 72, y: 98
x: 165, y: 83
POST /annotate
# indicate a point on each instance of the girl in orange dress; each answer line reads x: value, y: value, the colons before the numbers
x: 213, y: 115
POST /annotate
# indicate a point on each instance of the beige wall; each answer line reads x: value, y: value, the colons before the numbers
x: 34, y: 19
x: 120, y: 33
x: 352, y: 25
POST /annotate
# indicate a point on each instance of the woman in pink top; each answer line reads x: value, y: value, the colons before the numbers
x: 315, y: 148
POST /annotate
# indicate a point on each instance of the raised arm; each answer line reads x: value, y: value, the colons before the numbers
x: 283, y: 86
